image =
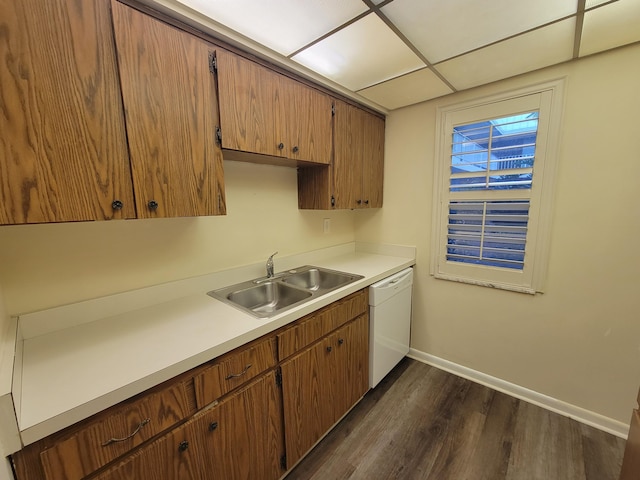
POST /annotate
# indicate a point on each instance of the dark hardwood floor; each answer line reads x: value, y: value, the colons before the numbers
x: 423, y: 423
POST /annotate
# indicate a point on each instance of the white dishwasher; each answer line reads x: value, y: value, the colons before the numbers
x: 390, y: 323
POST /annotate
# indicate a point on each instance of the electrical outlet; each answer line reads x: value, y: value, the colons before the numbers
x: 326, y: 225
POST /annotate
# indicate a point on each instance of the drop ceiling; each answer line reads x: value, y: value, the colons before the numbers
x: 399, y: 52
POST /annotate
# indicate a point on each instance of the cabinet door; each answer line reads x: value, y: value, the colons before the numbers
x: 250, y: 106
x: 242, y: 438
x: 174, y: 456
x: 63, y: 151
x: 351, y: 344
x: 171, y: 111
x: 308, y: 122
x: 264, y: 112
x: 373, y: 162
x: 349, y: 127
x: 307, y: 396
x: 359, y: 157
x: 238, y: 439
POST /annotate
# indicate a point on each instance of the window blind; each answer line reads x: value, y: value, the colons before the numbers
x: 490, y: 156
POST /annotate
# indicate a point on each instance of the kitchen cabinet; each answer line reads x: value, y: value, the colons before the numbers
x: 170, y: 102
x: 68, y: 154
x: 355, y: 178
x: 239, y: 438
x: 81, y: 449
x: 322, y: 382
x: 266, y: 113
x: 247, y: 414
x: 62, y: 137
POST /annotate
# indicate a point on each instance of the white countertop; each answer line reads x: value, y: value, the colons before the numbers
x: 69, y: 374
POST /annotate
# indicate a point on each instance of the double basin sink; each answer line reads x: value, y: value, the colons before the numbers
x: 265, y: 297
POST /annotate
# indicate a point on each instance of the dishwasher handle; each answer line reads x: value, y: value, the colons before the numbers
x: 393, y: 281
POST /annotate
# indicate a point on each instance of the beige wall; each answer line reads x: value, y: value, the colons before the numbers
x: 580, y: 341
x: 48, y: 265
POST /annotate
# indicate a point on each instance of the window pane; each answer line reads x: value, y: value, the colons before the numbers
x: 503, y: 144
x: 491, y: 233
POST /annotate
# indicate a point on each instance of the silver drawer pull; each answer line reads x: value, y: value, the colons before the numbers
x: 116, y: 440
x: 236, y: 375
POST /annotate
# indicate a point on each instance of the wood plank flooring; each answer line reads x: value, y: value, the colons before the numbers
x: 423, y: 423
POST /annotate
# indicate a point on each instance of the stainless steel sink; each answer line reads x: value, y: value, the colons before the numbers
x: 267, y: 298
x: 316, y: 279
x: 264, y: 297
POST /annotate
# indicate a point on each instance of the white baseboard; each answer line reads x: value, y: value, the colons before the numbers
x: 579, y: 414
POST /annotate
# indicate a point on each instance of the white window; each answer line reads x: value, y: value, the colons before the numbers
x: 493, y: 187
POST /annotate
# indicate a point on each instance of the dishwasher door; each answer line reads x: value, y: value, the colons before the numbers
x: 390, y: 323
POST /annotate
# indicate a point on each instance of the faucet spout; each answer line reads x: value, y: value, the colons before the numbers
x: 270, y: 265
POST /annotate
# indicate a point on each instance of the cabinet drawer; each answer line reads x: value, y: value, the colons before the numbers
x: 318, y: 324
x: 114, y: 433
x: 233, y: 370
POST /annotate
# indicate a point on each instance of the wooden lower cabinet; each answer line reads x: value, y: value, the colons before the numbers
x: 249, y: 414
x: 322, y: 383
x: 239, y: 438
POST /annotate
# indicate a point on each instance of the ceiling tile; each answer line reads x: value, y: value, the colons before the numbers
x: 441, y: 29
x: 512, y: 57
x: 406, y: 90
x: 364, y: 53
x: 610, y: 26
x: 282, y: 25
x: 594, y: 3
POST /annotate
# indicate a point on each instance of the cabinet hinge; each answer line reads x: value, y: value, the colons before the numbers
x: 333, y: 201
x: 279, y: 377
x: 218, y: 135
x: 213, y: 62
x: 283, y: 462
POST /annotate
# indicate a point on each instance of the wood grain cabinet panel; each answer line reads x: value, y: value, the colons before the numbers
x: 104, y: 438
x: 359, y: 157
x: 352, y: 364
x: 63, y: 149
x: 318, y: 324
x: 266, y: 113
x: 308, y: 120
x: 174, y: 456
x: 321, y: 383
x: 238, y: 439
x: 169, y: 92
x: 307, y: 396
x: 233, y: 370
x: 243, y: 437
x: 249, y: 105
x: 355, y: 178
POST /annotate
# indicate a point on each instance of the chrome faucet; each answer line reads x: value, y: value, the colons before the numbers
x: 270, y: 266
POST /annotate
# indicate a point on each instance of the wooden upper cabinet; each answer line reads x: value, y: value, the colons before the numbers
x: 355, y: 178
x: 373, y: 162
x: 249, y: 113
x: 264, y: 112
x: 169, y: 93
x: 308, y: 122
x: 63, y: 151
x: 359, y: 157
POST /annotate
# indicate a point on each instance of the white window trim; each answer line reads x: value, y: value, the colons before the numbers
x: 538, y: 237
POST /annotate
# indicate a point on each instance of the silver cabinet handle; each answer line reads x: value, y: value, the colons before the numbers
x: 236, y: 375
x: 116, y: 440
